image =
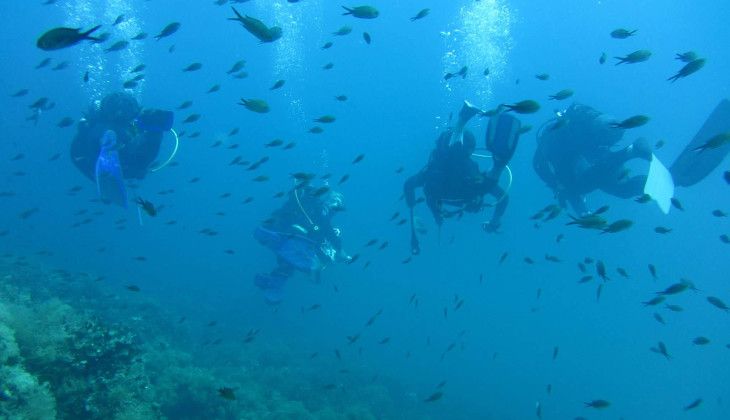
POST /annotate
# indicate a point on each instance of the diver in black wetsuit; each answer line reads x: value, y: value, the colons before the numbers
x: 138, y: 135
x: 574, y: 157
x: 451, y: 177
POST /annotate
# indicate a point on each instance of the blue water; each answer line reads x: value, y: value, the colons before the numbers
x: 397, y: 103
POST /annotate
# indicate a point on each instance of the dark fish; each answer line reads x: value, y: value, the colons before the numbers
x: 715, y: 142
x: 661, y: 349
x: 185, y: 105
x: 343, y: 179
x: 701, y: 341
x: 147, y: 206
x: 662, y: 230
x: 328, y: 66
x: 168, y: 30
x: 86, y: 77
x: 60, y: 66
x: 420, y: 15
x: 563, y: 94
x: 556, y: 350
x: 434, y: 397
x: 139, y: 68
x: 214, y: 88
x: 341, y: 98
x: 600, y: 404
x: 654, y: 301
x: 542, y: 76
x: 602, y: 58
x: 622, y: 272
x: 366, y: 37
x: 618, y: 226
x: 256, y: 105
x: 358, y: 158
x: 634, y: 57
x: 659, y: 318
x: 21, y: 92
x: 43, y: 63
x: 362, y: 12
x: 257, y: 28
x: 277, y: 85
x: 58, y: 38
x: 316, y: 130
x: 632, y: 122
x: 327, y: 45
x: 325, y: 119
x: 117, y: 46
x: 622, y: 33
x: 716, y: 302
x: 644, y: 198
x: 342, y: 31
x: 193, y: 67
x: 689, y: 68
x: 384, y: 340
x: 694, y: 404
x: 601, y: 270
x: 191, y: 118
x: 140, y: 36
x: 132, y: 288
x: 652, y: 270
x: 227, y: 393
x: 238, y: 65
x: 524, y: 107
x: 677, y: 204
x: 118, y: 20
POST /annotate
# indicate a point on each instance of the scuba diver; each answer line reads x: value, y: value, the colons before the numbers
x: 452, y: 178
x: 302, y: 237
x: 117, y: 140
x: 574, y: 157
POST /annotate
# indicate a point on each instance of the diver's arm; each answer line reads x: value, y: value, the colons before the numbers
x: 500, y: 194
x: 409, y: 187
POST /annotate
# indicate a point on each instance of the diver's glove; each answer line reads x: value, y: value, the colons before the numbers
x: 491, y: 226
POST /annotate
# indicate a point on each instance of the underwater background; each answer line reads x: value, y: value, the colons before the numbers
x: 527, y: 341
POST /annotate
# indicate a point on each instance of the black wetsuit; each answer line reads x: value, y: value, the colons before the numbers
x: 137, y: 148
x: 574, y: 158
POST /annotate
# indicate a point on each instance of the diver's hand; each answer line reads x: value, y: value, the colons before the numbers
x: 491, y: 226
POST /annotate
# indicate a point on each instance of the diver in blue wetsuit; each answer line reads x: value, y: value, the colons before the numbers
x: 575, y: 156
x: 117, y: 140
x: 302, y: 237
x: 452, y: 177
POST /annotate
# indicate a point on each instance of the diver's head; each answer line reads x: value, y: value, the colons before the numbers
x: 119, y: 107
x: 333, y: 202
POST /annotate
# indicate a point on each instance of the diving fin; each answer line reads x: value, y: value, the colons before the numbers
x: 108, y: 171
x: 659, y: 184
x: 503, y: 132
x: 691, y: 166
x: 465, y: 114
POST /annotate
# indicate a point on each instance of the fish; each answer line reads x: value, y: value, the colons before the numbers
x: 327, y: 45
x: 659, y: 318
x: 661, y: 349
x: 635, y: 57
x: 344, y: 30
x: 602, y: 58
x: 599, y: 404
x: 214, y: 88
x: 677, y: 204
x: 563, y: 94
x: 191, y: 118
x: 694, y: 404
x: 118, y: 20
x: 316, y: 130
x: 168, y: 30
x: 140, y: 36
x: 622, y: 272
x: 185, y: 105
x: 654, y: 301
x: 277, y: 85
x: 631, y: 122
x: 652, y: 271
x: 719, y: 213
x: 325, y: 119
x: 523, y: 107
x: 542, y: 76
x: 662, y: 230
x: 117, y: 46
x: 274, y: 143
x: 257, y: 28
x: 343, y: 179
x: 138, y: 68
x: 132, y: 288
x: 434, y: 397
x: 238, y: 65
x: 689, y: 68
x: 256, y: 105
x: 674, y: 308
x: 362, y: 12
x: 701, y: 341
x: 716, y: 302
x: 147, y: 206
x: 642, y: 199
x: 328, y: 66
x: 686, y: 57
x: 227, y: 393
x: 715, y: 142
x: 193, y: 67
x: 622, y: 33
x: 367, y: 38
x: 358, y: 158
x: 59, y: 38
x: 45, y: 62
x: 421, y: 14
x: 20, y: 93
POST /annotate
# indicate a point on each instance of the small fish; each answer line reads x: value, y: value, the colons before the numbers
x: 701, y: 341
x: 238, y: 65
x: 714, y: 142
x: 661, y: 349
x: 261, y: 178
x: 598, y: 404
x: 343, y: 179
x: 20, y: 93
x: 434, y: 397
x: 191, y: 118
x: 367, y: 38
x: 185, y: 105
x: 327, y: 45
x: 277, y: 85
x: 635, y: 57
x: 132, y: 288
x: 58, y: 38
x: 602, y: 58
x: 274, y: 143
x: 654, y: 301
x: 256, y: 105
x: 622, y: 272
x: 358, y: 158
x: 563, y: 94
x: 524, y: 107
x: 227, y: 393
x: 140, y: 36
x: 644, y: 198
x: 686, y: 57
x: 139, y: 68
x: 168, y: 30
x: 689, y: 68
x: 45, y: 62
x: 659, y: 318
x: 420, y: 15
x: 117, y: 46
x: 677, y: 204
x: 341, y: 98
x: 362, y: 12
x: 316, y: 130
x: 542, y: 76
x: 719, y: 213
x: 632, y: 122
x: 214, y: 88
x: 385, y: 340
x: 674, y: 308
x: 147, y: 206
x: 716, y: 302
x: 694, y: 404
x: 328, y: 66
x: 662, y: 230
x: 342, y: 31
x: 622, y: 33
x: 193, y: 67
